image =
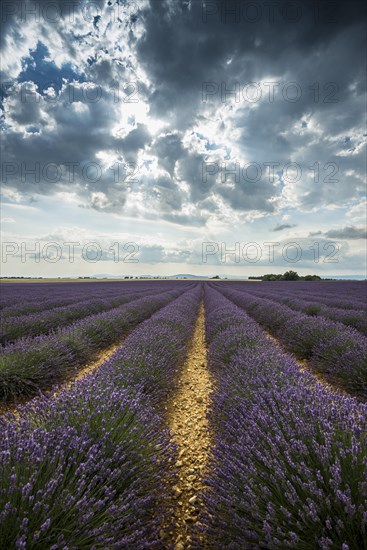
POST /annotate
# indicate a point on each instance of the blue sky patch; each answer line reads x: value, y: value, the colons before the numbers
x: 44, y: 73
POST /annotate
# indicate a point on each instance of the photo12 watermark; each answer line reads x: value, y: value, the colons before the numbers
x: 269, y: 91
x: 53, y: 92
x: 254, y: 172
x: 70, y: 172
x: 253, y: 252
x: 69, y: 11
x: 271, y: 12
x: 70, y: 252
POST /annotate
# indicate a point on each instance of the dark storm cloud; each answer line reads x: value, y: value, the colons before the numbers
x: 190, y: 169
x: 169, y: 149
x: 137, y: 139
x: 185, y: 47
x: 348, y: 232
x: 185, y: 44
x: 316, y: 51
x: 167, y: 193
x: 250, y: 197
x: 69, y: 139
x: 284, y: 226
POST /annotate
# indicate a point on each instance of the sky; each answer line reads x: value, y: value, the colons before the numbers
x: 183, y: 136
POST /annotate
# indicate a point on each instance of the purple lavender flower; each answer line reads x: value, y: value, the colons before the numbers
x: 289, y: 464
x: 90, y: 468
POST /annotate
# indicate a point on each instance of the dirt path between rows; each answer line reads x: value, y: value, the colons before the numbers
x: 302, y: 363
x: 101, y: 357
x: 304, y: 366
x: 187, y: 419
x: 93, y: 365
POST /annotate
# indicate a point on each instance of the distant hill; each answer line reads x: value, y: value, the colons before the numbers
x: 203, y: 277
x: 178, y: 276
x: 187, y: 276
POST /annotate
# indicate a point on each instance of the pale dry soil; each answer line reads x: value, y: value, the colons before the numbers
x: 101, y: 358
x: 304, y: 366
x: 187, y: 418
x: 104, y: 355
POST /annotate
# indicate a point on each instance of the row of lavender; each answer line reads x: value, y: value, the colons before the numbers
x: 34, y: 364
x: 22, y: 298
x: 42, y: 322
x: 355, y: 316
x: 32, y: 293
x: 336, y: 351
x: 289, y: 466
x: 91, y: 468
x: 343, y: 294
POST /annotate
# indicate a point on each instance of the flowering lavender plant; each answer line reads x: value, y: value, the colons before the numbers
x: 289, y: 466
x: 35, y: 364
x: 90, y: 468
x: 338, y: 351
x: 33, y: 324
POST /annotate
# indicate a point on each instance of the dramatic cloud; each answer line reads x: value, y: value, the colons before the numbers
x: 223, y: 118
x: 347, y: 233
x: 284, y: 226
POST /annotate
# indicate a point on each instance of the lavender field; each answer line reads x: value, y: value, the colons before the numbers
x: 183, y: 414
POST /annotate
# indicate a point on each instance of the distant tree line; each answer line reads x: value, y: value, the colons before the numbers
x: 287, y: 276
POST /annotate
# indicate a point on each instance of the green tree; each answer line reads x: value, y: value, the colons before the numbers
x: 290, y: 276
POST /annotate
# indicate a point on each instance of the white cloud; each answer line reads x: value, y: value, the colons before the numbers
x: 159, y: 125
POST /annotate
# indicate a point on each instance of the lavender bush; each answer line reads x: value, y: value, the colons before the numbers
x: 157, y: 347
x: 84, y: 472
x: 289, y: 466
x: 19, y: 299
x: 31, y: 365
x: 90, y: 469
x: 33, y: 324
x: 309, y: 338
x: 353, y: 317
x: 26, y: 294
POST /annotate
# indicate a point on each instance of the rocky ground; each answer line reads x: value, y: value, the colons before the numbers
x: 100, y: 359
x: 187, y: 419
